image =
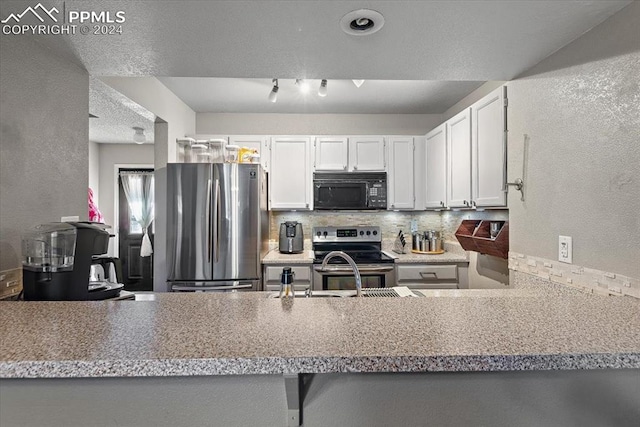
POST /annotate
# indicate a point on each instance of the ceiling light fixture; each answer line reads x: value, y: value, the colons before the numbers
x: 362, y: 22
x: 273, y: 95
x: 322, y: 90
x: 358, y: 83
x: 139, y: 136
x: 303, y: 85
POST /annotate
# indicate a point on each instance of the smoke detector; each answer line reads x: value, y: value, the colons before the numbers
x: 362, y: 22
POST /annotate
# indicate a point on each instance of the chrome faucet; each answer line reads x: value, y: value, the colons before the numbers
x: 352, y: 264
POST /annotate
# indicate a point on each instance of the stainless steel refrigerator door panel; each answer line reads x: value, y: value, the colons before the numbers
x: 189, y: 242
x: 236, y: 214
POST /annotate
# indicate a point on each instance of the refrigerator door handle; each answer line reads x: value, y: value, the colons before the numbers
x: 210, y: 288
x: 217, y: 214
x: 208, y: 215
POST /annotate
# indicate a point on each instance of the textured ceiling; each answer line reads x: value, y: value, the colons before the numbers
x: 218, y: 95
x: 420, y: 40
x: 116, y: 115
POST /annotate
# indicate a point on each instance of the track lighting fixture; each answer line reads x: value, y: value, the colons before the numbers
x: 322, y: 90
x: 139, y: 136
x: 273, y: 95
x: 358, y: 83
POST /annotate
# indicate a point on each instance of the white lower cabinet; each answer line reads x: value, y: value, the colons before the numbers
x: 433, y: 276
x: 400, y: 174
x: 290, y: 176
x: 271, y: 276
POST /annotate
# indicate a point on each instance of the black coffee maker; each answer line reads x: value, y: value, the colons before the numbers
x: 57, y: 260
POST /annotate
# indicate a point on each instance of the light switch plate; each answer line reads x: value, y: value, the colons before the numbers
x: 565, y: 249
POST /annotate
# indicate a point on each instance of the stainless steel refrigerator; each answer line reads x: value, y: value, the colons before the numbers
x: 217, y: 226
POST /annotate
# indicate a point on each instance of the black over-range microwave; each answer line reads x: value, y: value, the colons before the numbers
x: 349, y: 190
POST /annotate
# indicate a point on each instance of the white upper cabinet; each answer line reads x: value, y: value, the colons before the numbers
x: 459, y: 165
x: 400, y: 173
x: 257, y: 142
x: 331, y: 153
x: 290, y: 178
x: 488, y: 136
x: 367, y: 153
x: 436, y: 168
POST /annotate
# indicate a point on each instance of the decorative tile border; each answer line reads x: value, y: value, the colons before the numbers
x: 586, y: 279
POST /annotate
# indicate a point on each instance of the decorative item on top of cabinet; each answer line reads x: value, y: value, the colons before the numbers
x: 400, y: 174
x: 290, y: 177
x: 260, y: 143
x: 476, y: 235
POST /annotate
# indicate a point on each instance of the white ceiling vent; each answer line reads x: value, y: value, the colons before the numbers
x: 362, y: 22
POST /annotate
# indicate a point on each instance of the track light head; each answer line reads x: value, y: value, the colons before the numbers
x: 303, y: 85
x: 322, y: 90
x: 273, y: 95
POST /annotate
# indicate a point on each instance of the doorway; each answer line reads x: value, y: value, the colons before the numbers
x: 137, y: 270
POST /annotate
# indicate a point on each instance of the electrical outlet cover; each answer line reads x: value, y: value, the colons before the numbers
x: 565, y: 249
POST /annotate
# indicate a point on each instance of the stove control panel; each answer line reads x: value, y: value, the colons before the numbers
x: 347, y: 234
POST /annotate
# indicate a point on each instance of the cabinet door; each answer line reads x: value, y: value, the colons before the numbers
x: 290, y: 177
x: 459, y: 153
x: 366, y: 153
x: 488, y: 142
x: 419, y: 172
x: 436, y: 168
x: 331, y: 153
x: 257, y: 142
x: 400, y: 174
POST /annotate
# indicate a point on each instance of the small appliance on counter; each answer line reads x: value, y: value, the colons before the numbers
x: 57, y: 260
x: 291, y: 238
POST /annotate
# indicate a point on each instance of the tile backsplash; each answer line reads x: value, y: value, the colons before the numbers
x: 390, y: 222
x: 586, y: 279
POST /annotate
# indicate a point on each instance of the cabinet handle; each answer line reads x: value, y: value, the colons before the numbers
x: 355, y: 168
x: 344, y: 167
x: 442, y: 204
x: 465, y: 203
x: 306, y: 205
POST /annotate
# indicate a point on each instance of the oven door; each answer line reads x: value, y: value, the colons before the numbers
x: 338, y: 277
x: 332, y: 195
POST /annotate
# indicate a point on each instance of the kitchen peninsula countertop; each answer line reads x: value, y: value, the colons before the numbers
x: 250, y: 333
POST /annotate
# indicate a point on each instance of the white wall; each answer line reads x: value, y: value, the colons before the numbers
x: 44, y: 147
x: 580, y: 108
x: 315, y: 124
x: 110, y: 155
x: 94, y: 169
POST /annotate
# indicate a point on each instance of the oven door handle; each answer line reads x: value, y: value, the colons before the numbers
x: 333, y: 269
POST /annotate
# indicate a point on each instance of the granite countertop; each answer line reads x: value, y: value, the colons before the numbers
x: 250, y: 333
x: 413, y: 258
x: 275, y: 257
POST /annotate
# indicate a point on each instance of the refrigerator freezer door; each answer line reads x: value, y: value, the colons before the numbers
x: 235, y: 218
x: 189, y: 227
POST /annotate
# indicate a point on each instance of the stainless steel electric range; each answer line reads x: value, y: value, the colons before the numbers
x: 364, y: 245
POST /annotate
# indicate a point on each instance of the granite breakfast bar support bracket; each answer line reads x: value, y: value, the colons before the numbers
x: 295, y: 387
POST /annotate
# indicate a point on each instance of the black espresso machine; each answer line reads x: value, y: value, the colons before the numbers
x: 57, y: 260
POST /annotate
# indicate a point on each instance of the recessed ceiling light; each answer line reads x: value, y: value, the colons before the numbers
x: 362, y: 22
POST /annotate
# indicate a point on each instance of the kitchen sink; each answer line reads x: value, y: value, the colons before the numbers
x: 367, y: 292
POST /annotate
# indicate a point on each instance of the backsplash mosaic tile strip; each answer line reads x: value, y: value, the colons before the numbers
x: 587, y: 279
x: 389, y: 221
